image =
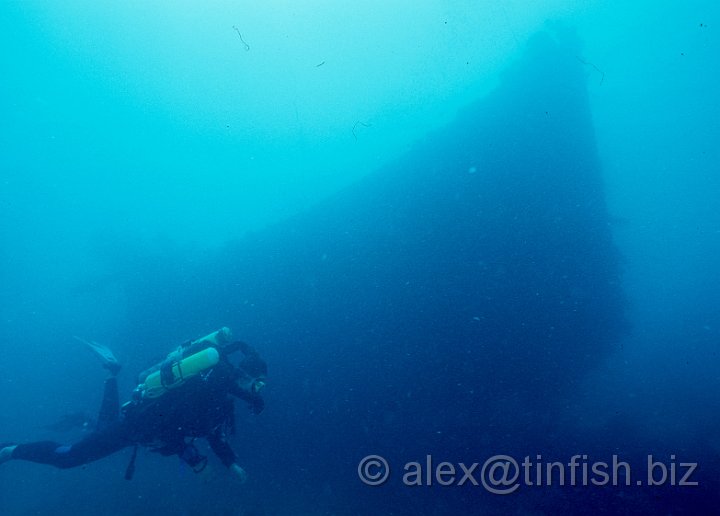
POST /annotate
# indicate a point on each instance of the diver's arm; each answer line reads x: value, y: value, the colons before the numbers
x: 252, y: 398
x: 222, y: 449
x: 225, y: 453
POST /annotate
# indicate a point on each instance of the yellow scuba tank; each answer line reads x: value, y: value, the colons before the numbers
x: 217, y: 339
x: 190, y: 366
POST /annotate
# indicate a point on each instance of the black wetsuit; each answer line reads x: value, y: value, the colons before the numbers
x: 202, y: 407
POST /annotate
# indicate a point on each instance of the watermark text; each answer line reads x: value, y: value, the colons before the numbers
x: 504, y: 474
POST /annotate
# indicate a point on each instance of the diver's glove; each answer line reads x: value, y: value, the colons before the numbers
x: 239, y: 473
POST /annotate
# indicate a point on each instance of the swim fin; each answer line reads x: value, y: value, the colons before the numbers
x: 106, y: 356
x: 6, y: 450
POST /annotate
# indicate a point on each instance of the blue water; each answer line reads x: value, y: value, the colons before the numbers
x: 453, y: 229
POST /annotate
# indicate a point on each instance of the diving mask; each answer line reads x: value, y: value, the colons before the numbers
x: 251, y: 384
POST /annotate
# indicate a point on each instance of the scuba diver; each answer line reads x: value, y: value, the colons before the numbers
x: 187, y: 396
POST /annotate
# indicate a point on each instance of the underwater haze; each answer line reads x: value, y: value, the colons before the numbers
x: 484, y: 234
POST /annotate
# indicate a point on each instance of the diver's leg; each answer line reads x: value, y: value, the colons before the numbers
x: 110, y: 408
x: 95, y: 446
